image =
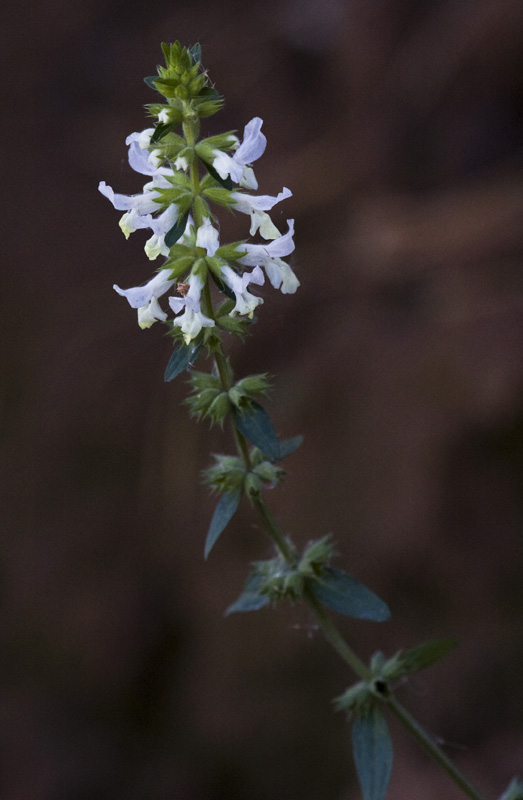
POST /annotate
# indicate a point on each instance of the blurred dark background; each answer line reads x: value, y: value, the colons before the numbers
x: 398, y: 126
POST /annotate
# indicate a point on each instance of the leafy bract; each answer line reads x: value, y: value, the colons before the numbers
x: 223, y: 513
x: 182, y: 358
x: 373, y: 754
x: 345, y: 594
x: 289, y: 446
x: 176, y: 232
x: 426, y: 654
x: 250, y: 599
x: 255, y: 424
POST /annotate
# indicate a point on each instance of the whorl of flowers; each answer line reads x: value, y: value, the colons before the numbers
x: 186, y: 179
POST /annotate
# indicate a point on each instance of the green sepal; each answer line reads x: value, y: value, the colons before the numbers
x: 250, y: 599
x: 514, y: 790
x: 314, y: 559
x: 200, y: 208
x: 180, y: 266
x: 254, y: 384
x: 356, y: 699
x: 205, y: 403
x: 204, y: 380
x: 269, y: 473
x: 231, y: 252
x: 182, y: 358
x: 177, y: 231
x: 223, y: 513
x: 255, y: 424
x: 221, y: 197
x: 373, y: 753
x: 172, y: 144
x: 206, y: 108
x: 344, y: 594
x: 226, y: 475
x: 237, y: 326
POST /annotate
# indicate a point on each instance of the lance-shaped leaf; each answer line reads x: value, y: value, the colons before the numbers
x: 255, y: 424
x: 514, y: 791
x: 372, y: 747
x: 250, y: 599
x: 176, y: 232
x: 183, y: 357
x: 345, y: 594
x: 288, y: 446
x: 223, y: 513
x: 425, y: 654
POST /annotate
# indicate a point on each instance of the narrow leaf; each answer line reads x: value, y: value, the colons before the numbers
x: 250, y: 599
x: 426, y: 654
x: 345, y: 594
x: 223, y: 513
x: 161, y: 130
x: 196, y: 52
x: 182, y: 358
x: 255, y: 424
x: 150, y: 81
x: 177, y: 231
x: 222, y: 286
x: 225, y: 182
x: 372, y: 747
x: 514, y: 791
x: 288, y: 446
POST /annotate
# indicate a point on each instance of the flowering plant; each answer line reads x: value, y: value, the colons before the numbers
x: 210, y: 288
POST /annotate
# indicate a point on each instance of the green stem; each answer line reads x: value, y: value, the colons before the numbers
x: 330, y: 630
x: 433, y: 749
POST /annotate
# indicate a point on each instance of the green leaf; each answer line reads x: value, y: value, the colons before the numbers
x: 425, y: 654
x: 223, y: 513
x: 182, y: 358
x: 250, y: 599
x: 255, y: 424
x: 177, y: 230
x: 288, y: 446
x: 345, y: 594
x: 372, y: 747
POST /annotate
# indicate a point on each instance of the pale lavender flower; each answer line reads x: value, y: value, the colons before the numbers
x: 245, y: 301
x: 269, y: 256
x: 145, y: 298
x: 235, y: 166
x: 257, y: 206
x: 192, y: 320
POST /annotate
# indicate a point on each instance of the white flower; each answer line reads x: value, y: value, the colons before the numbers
x: 235, y: 166
x: 140, y: 158
x: 257, y: 208
x: 207, y: 237
x: 192, y: 320
x: 145, y: 298
x: 269, y: 256
x: 164, y: 116
x: 151, y: 313
x: 245, y: 301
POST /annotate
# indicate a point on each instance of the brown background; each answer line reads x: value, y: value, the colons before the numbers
x: 398, y: 127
